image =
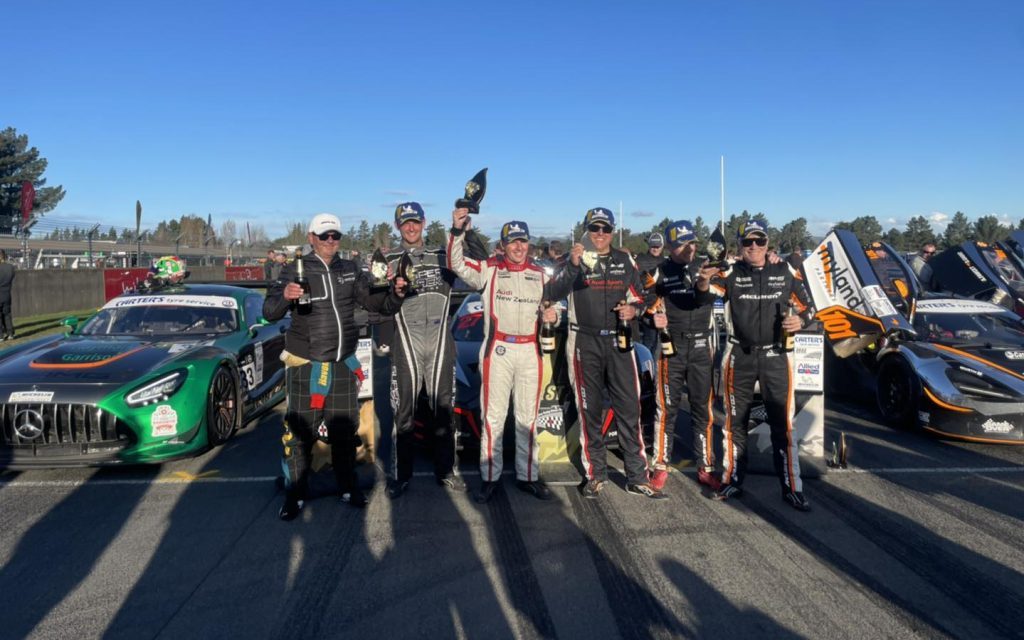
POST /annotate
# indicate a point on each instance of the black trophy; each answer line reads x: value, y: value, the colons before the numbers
x: 475, y: 190
x: 716, y: 249
x: 379, y: 270
x: 407, y: 270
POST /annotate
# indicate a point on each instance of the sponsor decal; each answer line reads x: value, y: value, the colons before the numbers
x: 806, y: 368
x: 173, y: 301
x: 970, y: 266
x: 924, y: 417
x: 1014, y: 355
x: 500, y: 350
x: 878, y: 301
x: 997, y: 426
x: 957, y: 306
x: 30, y: 396
x: 164, y: 421
x: 837, y: 325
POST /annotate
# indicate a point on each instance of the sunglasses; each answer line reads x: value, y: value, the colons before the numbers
x: 749, y: 242
x: 929, y: 253
x: 599, y: 228
x: 329, y: 235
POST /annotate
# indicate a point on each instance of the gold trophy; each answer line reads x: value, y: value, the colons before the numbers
x: 475, y: 190
x: 379, y: 270
x: 407, y: 270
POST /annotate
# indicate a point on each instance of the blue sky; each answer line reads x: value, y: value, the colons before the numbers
x: 272, y: 112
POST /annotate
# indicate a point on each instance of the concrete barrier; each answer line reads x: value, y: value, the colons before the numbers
x: 42, y: 291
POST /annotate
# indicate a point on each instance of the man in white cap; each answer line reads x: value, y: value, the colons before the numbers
x: 323, y: 375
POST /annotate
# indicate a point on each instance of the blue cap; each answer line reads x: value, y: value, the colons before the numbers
x: 409, y: 211
x: 599, y: 215
x: 514, y: 230
x: 752, y: 227
x: 679, y: 233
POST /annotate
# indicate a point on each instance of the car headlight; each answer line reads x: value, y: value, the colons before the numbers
x: 979, y: 387
x: 156, y: 391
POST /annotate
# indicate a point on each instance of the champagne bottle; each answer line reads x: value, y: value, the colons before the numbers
x: 787, y: 336
x: 668, y: 348
x: 623, y: 333
x: 304, y: 303
x: 547, y: 334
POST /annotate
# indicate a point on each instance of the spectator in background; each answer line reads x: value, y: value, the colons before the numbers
x: 647, y: 263
x: 271, y: 268
x: 6, y: 281
x: 919, y: 263
x: 796, y: 258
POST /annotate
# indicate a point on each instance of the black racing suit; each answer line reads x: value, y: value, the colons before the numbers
x: 596, y: 364
x: 327, y: 334
x: 647, y: 264
x: 423, y: 357
x: 689, y: 323
x: 756, y: 298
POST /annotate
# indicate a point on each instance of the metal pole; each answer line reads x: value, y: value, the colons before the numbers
x: 723, y: 193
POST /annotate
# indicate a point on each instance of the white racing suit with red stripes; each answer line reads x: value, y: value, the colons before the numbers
x: 509, y: 356
x: 755, y: 302
x: 596, y: 364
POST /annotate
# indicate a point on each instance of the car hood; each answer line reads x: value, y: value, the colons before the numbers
x: 1006, y: 363
x: 79, y: 359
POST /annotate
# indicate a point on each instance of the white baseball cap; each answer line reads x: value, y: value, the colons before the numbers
x: 323, y: 222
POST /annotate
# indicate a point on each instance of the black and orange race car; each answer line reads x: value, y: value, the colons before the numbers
x: 949, y: 365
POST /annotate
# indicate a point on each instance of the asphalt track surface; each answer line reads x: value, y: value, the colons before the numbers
x: 918, y: 538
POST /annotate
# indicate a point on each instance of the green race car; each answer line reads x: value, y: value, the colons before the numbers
x: 151, y: 376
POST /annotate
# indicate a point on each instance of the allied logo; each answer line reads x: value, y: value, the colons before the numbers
x: 28, y: 424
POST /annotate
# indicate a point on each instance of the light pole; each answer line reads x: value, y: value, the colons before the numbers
x: 177, y: 244
x: 236, y: 241
x: 88, y: 237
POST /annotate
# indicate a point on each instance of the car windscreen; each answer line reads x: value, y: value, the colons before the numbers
x: 161, y: 320
x: 965, y: 329
x: 1005, y: 266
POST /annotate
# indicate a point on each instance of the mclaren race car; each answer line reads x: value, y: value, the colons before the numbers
x: 983, y: 271
x: 151, y: 376
x: 951, y: 366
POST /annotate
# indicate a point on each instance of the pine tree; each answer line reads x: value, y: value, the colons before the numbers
x: 919, y: 233
x: 988, y: 229
x: 19, y: 163
x: 959, y: 230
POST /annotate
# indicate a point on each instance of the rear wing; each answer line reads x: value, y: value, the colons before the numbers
x: 852, y: 304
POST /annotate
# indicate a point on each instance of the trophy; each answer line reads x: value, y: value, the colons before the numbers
x: 379, y: 270
x: 407, y: 270
x: 475, y: 190
x: 716, y: 249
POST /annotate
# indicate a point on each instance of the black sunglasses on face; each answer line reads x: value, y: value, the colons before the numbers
x: 599, y: 228
x: 929, y: 253
x: 329, y: 235
x: 749, y: 242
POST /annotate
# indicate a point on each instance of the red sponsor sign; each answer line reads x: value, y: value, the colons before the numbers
x: 232, y: 274
x: 28, y: 198
x: 118, y: 281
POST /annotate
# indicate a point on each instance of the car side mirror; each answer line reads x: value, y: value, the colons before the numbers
x: 70, y: 323
x: 254, y: 329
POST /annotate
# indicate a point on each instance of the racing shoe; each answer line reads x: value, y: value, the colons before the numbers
x: 487, y: 490
x: 646, y: 490
x: 453, y: 482
x: 708, y: 478
x: 658, y: 479
x: 537, y: 489
x: 727, y: 491
x: 796, y: 500
x: 291, y: 508
x: 396, y: 488
x: 354, y: 497
x: 592, y: 489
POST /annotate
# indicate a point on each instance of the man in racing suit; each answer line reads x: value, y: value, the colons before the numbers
x: 678, y: 293
x: 422, y: 356
x: 514, y: 288
x: 596, y: 364
x: 323, y: 375
x: 648, y: 262
x: 757, y: 297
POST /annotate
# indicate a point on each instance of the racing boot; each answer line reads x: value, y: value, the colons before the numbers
x: 646, y: 490
x: 727, y: 491
x: 707, y: 477
x: 592, y: 488
x: 291, y: 508
x: 396, y: 488
x: 453, y: 482
x: 487, y: 490
x: 796, y: 500
x: 537, y: 489
x: 658, y: 479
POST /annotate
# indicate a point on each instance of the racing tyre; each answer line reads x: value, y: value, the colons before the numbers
x: 899, y: 390
x: 222, y: 410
